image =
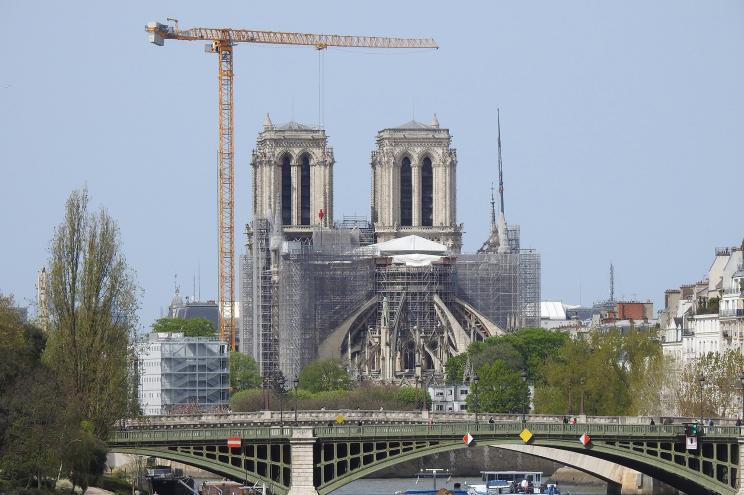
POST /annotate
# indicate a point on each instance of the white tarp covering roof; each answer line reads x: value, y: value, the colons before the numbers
x: 410, y: 244
x: 552, y: 310
x: 415, y: 259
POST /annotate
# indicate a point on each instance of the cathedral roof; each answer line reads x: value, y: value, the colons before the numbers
x: 295, y: 126
x: 415, y: 124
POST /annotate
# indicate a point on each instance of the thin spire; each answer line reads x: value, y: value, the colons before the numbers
x: 501, y: 173
x: 493, y: 208
x: 612, y: 283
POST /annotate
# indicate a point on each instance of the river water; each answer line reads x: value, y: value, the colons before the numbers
x: 388, y: 486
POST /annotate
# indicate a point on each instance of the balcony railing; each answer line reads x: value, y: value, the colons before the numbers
x: 731, y: 312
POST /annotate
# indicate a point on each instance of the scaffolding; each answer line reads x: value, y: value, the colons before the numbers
x: 297, y: 292
x: 410, y: 311
x: 529, y: 287
x: 490, y: 283
x: 297, y: 297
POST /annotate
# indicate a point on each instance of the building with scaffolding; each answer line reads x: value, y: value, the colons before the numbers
x: 392, y: 297
x: 177, y: 371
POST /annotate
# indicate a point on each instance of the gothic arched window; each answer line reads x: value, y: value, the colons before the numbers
x: 286, y: 190
x: 406, y: 193
x: 305, y: 191
x: 427, y: 193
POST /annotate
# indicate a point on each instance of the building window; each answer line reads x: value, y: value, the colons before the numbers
x: 286, y: 191
x: 427, y: 194
x: 406, y: 193
x: 305, y: 191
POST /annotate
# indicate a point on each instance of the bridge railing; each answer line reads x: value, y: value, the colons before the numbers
x: 193, y: 434
x: 511, y: 428
x: 431, y: 430
x: 324, y: 417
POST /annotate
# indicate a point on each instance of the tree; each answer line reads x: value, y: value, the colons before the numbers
x: 455, y: 368
x: 721, y: 390
x: 244, y: 373
x: 499, y: 390
x: 92, y: 315
x: 536, y: 345
x: 324, y: 375
x: 192, y: 327
x: 605, y: 373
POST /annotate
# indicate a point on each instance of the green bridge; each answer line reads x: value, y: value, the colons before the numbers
x: 310, y: 460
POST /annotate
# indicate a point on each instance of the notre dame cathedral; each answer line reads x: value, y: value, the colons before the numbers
x: 391, y: 295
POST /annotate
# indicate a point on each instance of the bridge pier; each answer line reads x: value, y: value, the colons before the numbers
x: 636, y: 483
x: 301, y: 444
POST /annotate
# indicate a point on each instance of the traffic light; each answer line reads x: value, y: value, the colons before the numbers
x: 691, y: 430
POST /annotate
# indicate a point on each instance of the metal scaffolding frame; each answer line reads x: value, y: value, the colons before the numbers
x: 490, y: 283
x: 294, y: 297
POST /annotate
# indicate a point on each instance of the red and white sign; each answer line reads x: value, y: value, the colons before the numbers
x: 234, y: 442
x: 585, y: 439
x: 691, y: 443
x: 468, y: 439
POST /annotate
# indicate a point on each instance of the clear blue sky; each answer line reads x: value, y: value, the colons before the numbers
x: 622, y: 124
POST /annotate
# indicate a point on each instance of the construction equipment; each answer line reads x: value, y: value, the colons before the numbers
x: 222, y: 42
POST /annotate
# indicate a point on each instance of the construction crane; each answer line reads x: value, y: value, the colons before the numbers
x: 222, y: 41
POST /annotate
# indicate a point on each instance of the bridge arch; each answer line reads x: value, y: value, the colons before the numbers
x: 668, y: 473
x: 235, y: 464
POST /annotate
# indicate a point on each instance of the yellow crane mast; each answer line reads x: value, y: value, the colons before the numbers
x: 222, y: 42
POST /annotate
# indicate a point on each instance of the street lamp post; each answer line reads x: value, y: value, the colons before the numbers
x: 296, y: 383
x: 523, y: 375
x: 476, y: 379
x: 741, y: 377
x: 416, y: 383
x: 581, y: 404
x: 702, y: 383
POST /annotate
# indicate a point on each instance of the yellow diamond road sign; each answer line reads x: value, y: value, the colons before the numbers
x: 340, y: 419
x: 526, y: 435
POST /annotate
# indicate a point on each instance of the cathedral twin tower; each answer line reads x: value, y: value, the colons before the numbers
x: 413, y: 190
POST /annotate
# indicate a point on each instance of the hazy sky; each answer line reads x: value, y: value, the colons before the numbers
x: 622, y: 127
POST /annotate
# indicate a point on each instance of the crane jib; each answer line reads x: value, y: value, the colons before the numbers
x: 286, y: 38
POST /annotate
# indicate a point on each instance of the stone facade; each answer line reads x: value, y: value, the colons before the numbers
x: 293, y: 176
x: 414, y: 183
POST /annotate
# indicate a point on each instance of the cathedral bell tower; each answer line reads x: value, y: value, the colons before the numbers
x: 414, y: 184
x: 293, y: 177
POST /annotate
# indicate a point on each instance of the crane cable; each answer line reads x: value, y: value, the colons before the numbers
x: 321, y: 87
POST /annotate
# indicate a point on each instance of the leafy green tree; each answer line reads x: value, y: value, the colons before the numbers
x: 455, y: 368
x: 495, y: 349
x: 37, y: 434
x: 324, y: 375
x: 500, y: 389
x: 192, y: 327
x: 605, y: 373
x: 244, y: 373
x: 536, y: 345
x: 93, y: 307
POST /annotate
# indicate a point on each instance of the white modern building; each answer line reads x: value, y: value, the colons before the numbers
x: 176, y: 370
x: 449, y: 398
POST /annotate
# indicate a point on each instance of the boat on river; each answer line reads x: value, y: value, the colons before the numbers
x: 498, y: 482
